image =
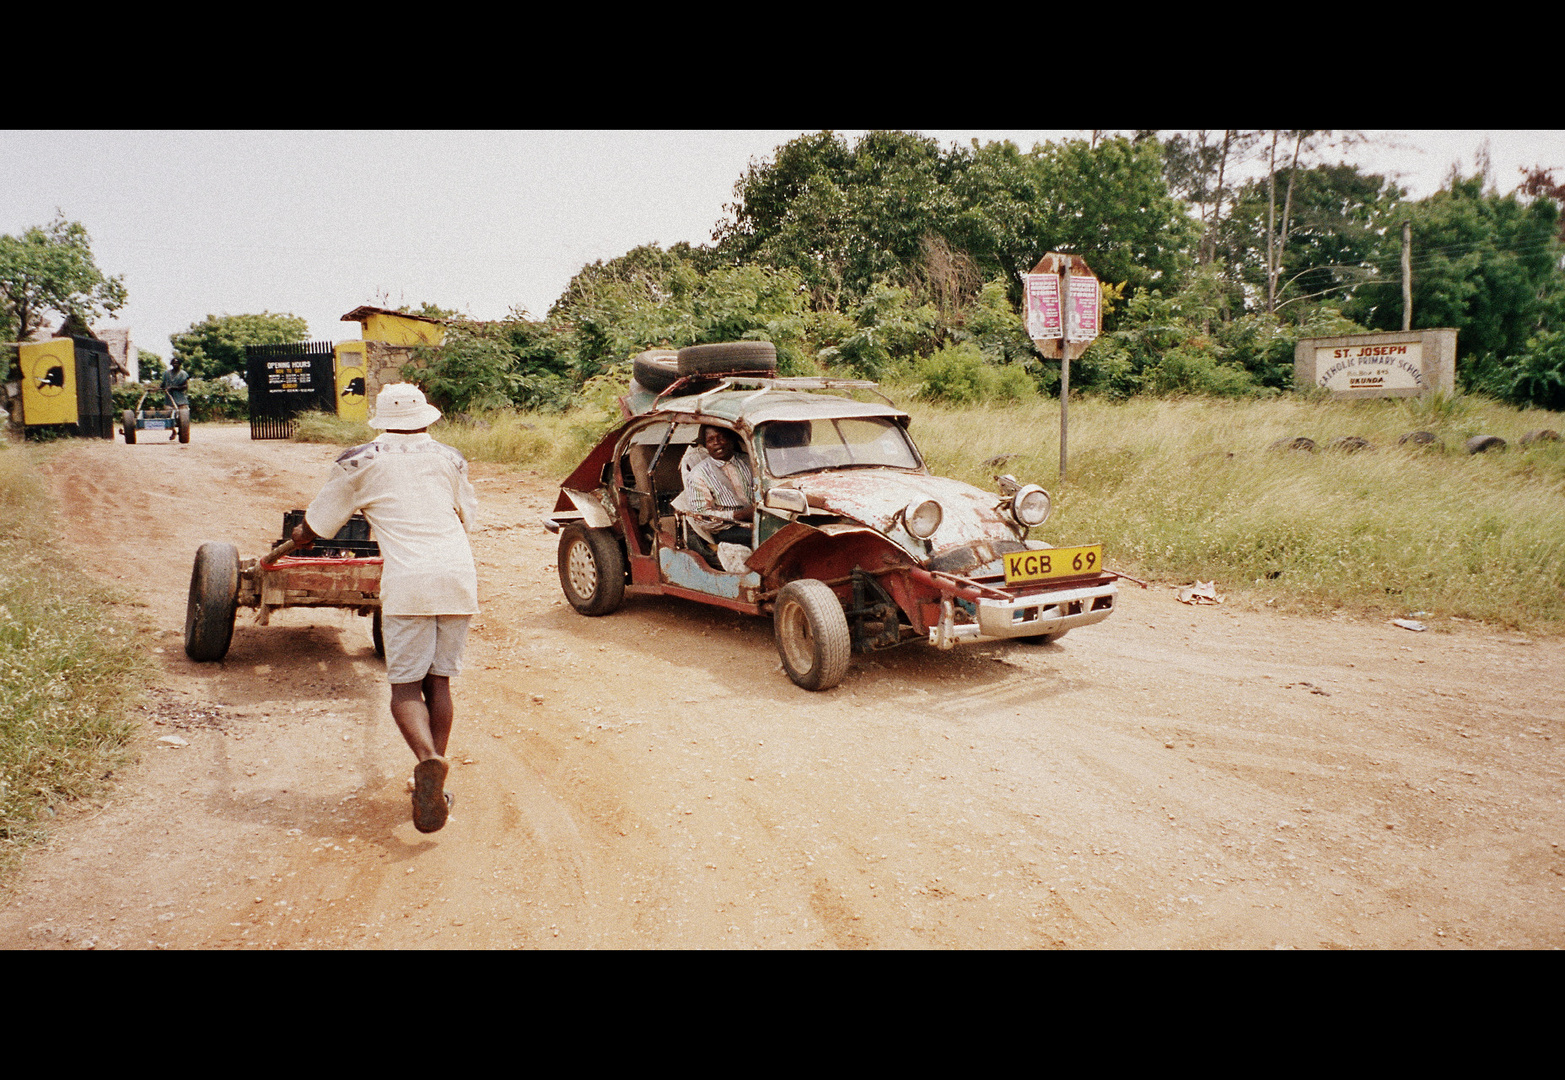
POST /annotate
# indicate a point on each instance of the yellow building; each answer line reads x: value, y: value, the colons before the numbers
x: 397, y: 327
x: 389, y: 338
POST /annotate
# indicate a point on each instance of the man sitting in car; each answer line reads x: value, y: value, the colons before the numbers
x: 717, y: 489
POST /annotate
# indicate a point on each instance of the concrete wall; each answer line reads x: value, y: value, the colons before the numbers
x: 383, y: 364
x: 1378, y: 365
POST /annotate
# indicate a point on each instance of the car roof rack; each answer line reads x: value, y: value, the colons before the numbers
x: 765, y: 385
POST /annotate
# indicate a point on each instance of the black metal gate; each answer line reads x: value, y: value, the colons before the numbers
x: 286, y: 380
x: 94, y: 399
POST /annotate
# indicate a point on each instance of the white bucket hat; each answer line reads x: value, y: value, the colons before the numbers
x: 401, y: 406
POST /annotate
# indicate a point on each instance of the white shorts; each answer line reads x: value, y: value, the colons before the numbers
x: 419, y: 645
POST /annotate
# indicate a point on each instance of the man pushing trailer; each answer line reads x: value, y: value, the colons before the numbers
x: 415, y: 494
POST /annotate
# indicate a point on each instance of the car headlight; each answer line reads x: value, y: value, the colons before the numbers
x: 922, y: 519
x: 1031, y: 505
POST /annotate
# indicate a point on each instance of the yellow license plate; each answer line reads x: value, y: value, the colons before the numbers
x: 1027, y: 567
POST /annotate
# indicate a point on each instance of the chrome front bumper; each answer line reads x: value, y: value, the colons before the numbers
x: 1026, y: 616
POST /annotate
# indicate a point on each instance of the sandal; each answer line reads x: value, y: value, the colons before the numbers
x: 430, y: 808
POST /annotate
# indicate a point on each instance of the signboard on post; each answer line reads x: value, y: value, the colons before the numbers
x: 1085, y: 301
x: 1386, y: 364
x: 1063, y: 281
x: 1043, y: 307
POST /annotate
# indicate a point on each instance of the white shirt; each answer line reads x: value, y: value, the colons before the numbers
x: 716, y: 489
x: 414, y: 493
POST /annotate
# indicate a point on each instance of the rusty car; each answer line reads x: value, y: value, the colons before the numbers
x: 855, y: 545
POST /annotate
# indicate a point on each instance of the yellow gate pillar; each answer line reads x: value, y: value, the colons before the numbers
x: 351, y: 402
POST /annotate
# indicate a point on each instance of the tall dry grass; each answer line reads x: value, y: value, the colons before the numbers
x: 1191, y: 489
x: 548, y: 443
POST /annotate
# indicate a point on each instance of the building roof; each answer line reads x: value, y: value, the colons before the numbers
x: 363, y: 312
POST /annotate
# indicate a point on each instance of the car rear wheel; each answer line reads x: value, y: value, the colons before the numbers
x: 128, y: 426
x: 213, y: 602
x: 592, y: 570
x: 184, y: 423
x: 812, y: 634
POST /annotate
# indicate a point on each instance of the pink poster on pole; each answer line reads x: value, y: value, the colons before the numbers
x: 1043, y: 307
x: 1085, y: 297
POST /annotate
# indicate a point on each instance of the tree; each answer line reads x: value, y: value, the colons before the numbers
x: 215, y: 347
x: 1108, y: 203
x: 51, y: 268
x: 1338, y: 222
x: 1484, y: 263
x: 149, y: 364
x: 1197, y: 166
x: 1538, y: 182
x: 843, y: 219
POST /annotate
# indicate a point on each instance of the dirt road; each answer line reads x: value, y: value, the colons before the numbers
x: 1207, y: 777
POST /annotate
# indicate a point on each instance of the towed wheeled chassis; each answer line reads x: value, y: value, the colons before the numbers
x: 173, y: 418
x: 341, y: 572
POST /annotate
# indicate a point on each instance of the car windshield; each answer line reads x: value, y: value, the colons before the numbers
x: 792, y: 447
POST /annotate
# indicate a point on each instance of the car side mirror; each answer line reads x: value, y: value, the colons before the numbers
x: 788, y: 500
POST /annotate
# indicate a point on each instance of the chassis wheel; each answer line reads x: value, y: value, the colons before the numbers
x: 184, y: 423
x: 377, y: 638
x: 592, y: 570
x: 812, y: 634
x: 214, y: 592
x: 128, y: 426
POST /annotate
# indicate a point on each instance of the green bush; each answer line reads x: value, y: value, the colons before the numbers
x: 1194, y: 369
x: 1538, y: 379
x: 958, y: 375
x: 954, y: 374
x: 888, y: 330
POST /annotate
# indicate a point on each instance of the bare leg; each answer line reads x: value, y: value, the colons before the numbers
x: 413, y: 719
x: 437, y: 698
x: 423, y: 712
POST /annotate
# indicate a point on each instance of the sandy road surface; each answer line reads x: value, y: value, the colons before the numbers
x: 1192, y: 777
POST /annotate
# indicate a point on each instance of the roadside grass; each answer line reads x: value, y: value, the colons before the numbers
x: 552, y: 444
x: 70, y: 673
x: 1190, y: 489
x: 1185, y: 489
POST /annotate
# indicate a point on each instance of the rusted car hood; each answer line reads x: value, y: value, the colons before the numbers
x: 873, y: 496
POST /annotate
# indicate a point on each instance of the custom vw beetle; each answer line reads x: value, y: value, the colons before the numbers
x: 854, y: 544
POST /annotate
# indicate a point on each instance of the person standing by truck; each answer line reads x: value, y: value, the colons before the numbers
x: 415, y: 494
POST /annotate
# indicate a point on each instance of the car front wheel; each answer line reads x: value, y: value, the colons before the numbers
x: 592, y: 570
x: 1044, y: 639
x: 812, y: 634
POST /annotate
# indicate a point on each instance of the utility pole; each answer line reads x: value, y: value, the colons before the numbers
x: 1407, y: 275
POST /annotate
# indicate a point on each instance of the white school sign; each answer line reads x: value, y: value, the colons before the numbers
x: 1378, y: 365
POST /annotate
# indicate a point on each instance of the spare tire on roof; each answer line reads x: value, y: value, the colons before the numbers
x: 656, y: 369
x: 723, y: 357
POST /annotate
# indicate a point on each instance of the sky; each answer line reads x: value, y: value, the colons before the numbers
x: 316, y: 223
